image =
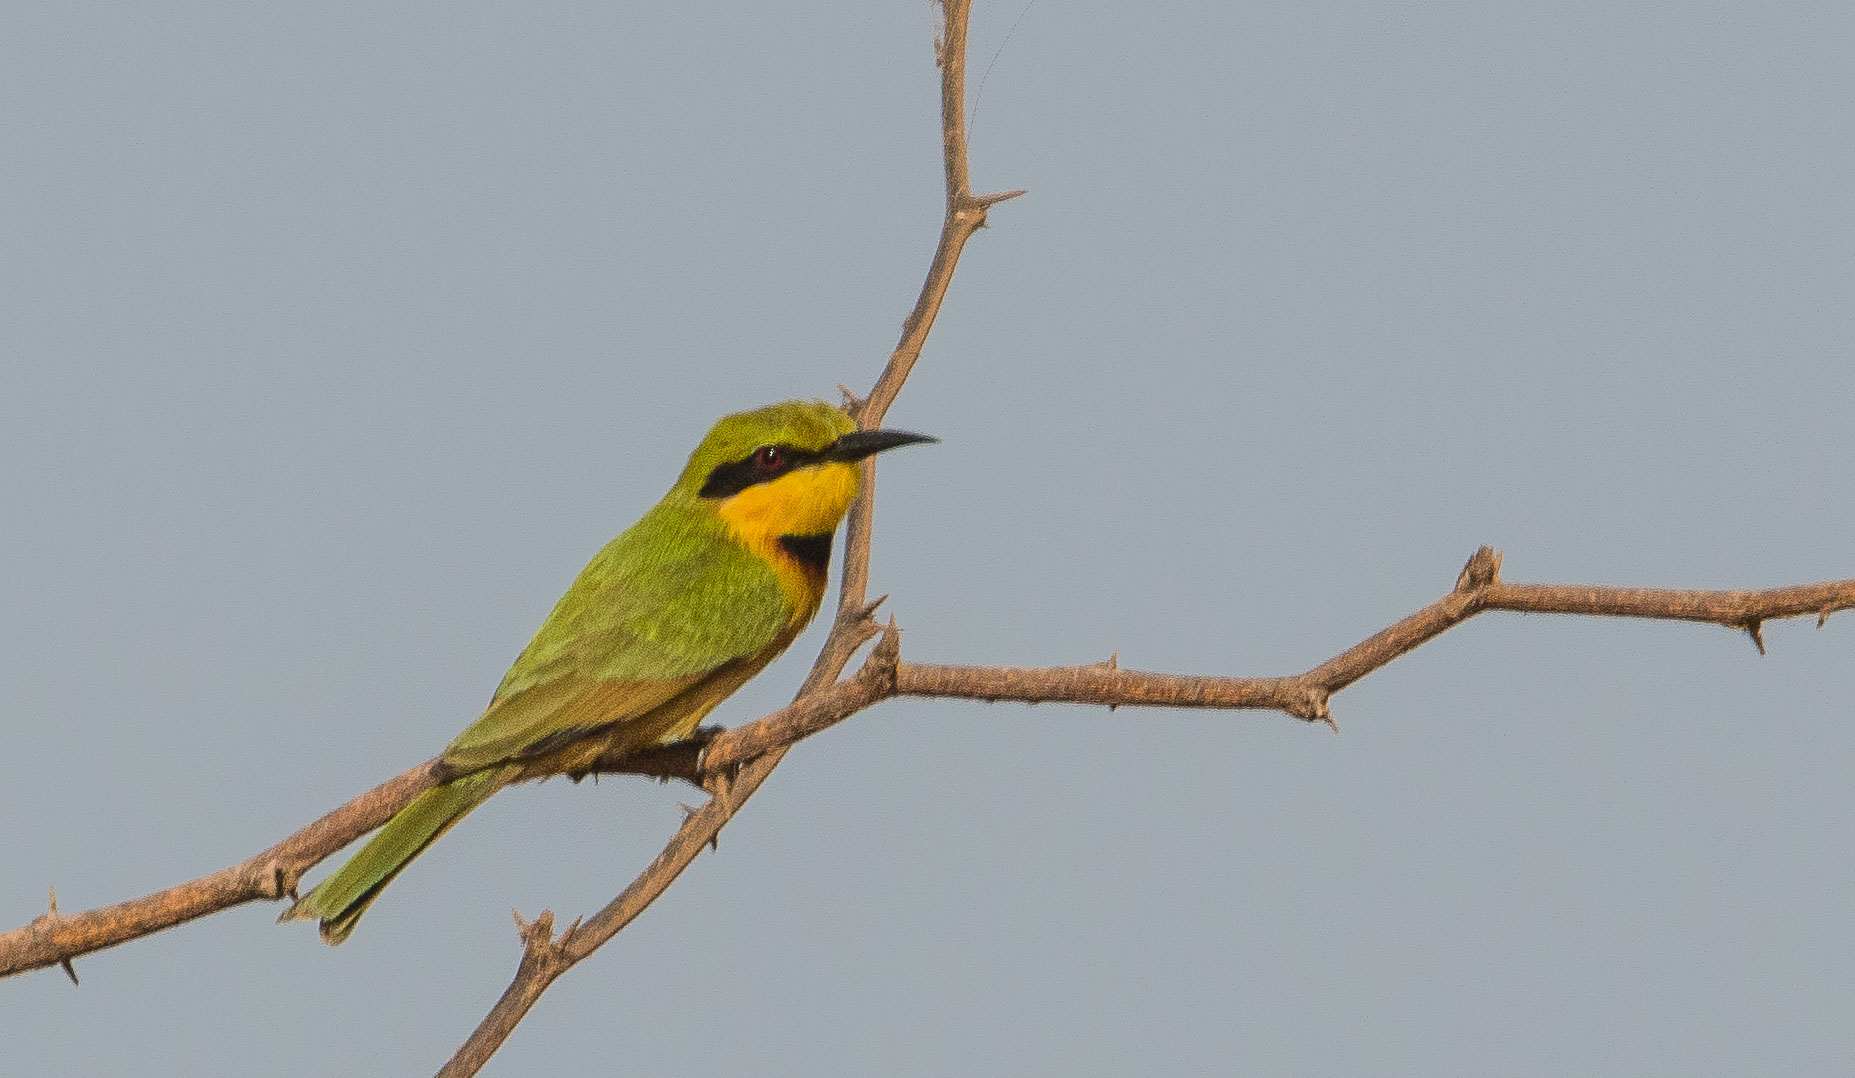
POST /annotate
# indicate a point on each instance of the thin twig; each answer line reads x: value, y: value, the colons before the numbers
x: 545, y: 958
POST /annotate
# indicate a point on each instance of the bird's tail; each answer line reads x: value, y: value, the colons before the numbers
x: 339, y: 900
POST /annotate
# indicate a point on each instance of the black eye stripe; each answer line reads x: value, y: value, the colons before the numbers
x: 737, y: 475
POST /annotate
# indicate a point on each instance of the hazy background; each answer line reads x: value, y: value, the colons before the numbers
x: 335, y: 340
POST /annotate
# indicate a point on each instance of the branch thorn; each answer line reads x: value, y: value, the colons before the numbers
x: 51, y: 915
x: 1822, y: 616
x: 888, y: 650
x: 1754, y: 628
x: 720, y: 786
x: 986, y: 201
x: 1315, y: 706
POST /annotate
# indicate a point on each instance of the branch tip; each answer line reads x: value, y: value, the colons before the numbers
x: 1483, y: 569
x: 538, y: 934
x: 885, y: 658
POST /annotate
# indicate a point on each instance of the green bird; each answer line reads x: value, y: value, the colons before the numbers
x: 661, y: 626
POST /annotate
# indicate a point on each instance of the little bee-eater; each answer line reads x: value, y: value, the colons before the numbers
x: 662, y: 625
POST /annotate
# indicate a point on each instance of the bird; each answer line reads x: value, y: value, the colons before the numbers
x: 663, y: 624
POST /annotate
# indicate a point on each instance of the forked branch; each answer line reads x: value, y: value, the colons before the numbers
x: 55, y: 938
x: 756, y: 747
x: 544, y: 959
x: 733, y: 764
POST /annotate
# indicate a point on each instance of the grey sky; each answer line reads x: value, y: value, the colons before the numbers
x: 336, y: 339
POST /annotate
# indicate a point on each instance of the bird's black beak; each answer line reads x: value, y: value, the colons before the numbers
x: 862, y: 443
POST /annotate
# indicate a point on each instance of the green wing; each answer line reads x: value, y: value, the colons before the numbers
x: 665, y: 607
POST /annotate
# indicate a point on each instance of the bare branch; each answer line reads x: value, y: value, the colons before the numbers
x: 850, y: 629
x: 54, y: 939
x: 734, y: 764
x: 755, y: 748
x: 965, y: 215
x: 1306, y: 695
x: 545, y: 958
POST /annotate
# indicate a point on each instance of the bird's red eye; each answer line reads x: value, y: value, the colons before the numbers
x: 768, y: 458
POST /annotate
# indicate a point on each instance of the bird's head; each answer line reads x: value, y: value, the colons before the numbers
x: 785, y: 474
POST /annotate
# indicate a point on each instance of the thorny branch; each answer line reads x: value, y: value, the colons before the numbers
x: 733, y: 764
x: 545, y: 958
x: 54, y: 938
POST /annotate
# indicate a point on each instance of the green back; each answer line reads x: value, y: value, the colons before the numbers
x: 675, y: 595
x: 670, y: 602
x: 671, y: 597
x: 667, y: 620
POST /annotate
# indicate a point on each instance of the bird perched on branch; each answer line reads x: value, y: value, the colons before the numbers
x: 662, y: 625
